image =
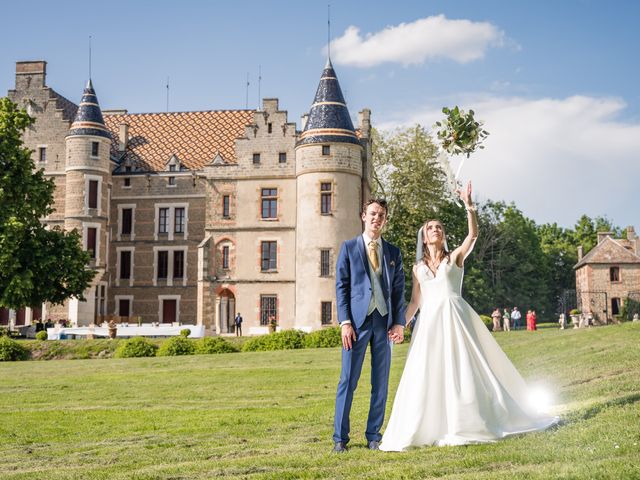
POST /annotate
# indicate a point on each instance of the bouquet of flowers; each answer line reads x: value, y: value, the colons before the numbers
x: 459, y: 133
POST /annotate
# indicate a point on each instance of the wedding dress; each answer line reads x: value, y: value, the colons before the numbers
x: 458, y: 386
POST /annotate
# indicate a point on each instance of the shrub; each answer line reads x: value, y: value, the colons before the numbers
x: 325, y: 338
x: 42, y: 335
x: 176, y: 346
x: 136, y: 347
x: 11, y: 350
x: 488, y: 321
x: 284, y: 340
x: 185, y: 332
x: 575, y: 311
x: 209, y: 345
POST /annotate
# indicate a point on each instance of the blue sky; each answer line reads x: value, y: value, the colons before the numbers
x: 556, y: 82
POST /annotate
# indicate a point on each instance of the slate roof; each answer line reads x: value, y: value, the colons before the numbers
x: 329, y: 119
x: 195, y: 138
x: 89, y: 119
x: 609, y: 251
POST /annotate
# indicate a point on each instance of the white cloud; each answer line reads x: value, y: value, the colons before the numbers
x: 555, y: 158
x: 416, y: 42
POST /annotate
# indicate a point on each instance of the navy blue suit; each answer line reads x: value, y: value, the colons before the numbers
x: 353, y: 296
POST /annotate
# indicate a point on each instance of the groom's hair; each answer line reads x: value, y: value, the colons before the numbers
x: 380, y: 201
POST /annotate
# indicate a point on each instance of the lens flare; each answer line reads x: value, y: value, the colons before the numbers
x: 540, y: 399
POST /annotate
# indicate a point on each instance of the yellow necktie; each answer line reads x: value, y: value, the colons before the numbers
x: 373, y: 255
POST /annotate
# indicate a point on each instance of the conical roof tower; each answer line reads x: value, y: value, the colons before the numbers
x: 89, y: 119
x: 329, y: 119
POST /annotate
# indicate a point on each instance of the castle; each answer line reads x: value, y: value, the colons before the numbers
x: 192, y: 217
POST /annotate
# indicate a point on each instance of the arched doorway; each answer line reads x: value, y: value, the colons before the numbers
x: 226, y: 311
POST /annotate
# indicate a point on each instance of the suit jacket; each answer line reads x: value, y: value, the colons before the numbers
x: 353, y: 285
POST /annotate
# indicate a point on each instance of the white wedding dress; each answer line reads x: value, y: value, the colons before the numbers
x: 458, y: 386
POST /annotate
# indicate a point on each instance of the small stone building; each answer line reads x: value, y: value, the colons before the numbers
x: 192, y: 217
x: 608, y: 275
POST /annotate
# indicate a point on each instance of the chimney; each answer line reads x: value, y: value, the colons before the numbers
x: 31, y: 75
x: 580, y: 252
x: 303, y: 121
x: 603, y: 235
x: 123, y: 137
x: 365, y: 122
x: 631, y: 233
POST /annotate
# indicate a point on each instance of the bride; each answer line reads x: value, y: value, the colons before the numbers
x: 458, y: 386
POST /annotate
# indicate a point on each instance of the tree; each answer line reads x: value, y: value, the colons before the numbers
x: 407, y: 175
x: 586, y: 231
x: 36, y: 264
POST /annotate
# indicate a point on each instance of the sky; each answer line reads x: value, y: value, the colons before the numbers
x: 555, y: 82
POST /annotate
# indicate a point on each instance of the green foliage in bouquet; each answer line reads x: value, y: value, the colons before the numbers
x: 460, y: 132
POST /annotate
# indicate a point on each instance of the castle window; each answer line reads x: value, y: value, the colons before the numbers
x: 125, y: 264
x: 163, y: 220
x: 124, y: 307
x: 95, y: 149
x: 256, y: 158
x: 172, y: 181
x: 326, y: 149
x: 325, y: 313
x: 325, y: 262
x: 269, y: 256
x: 163, y: 264
x: 127, y: 221
x: 127, y: 182
x: 171, y: 219
x: 268, y: 309
x: 225, y: 257
x: 614, y: 274
x: 269, y: 127
x: 282, y: 157
x: 179, y: 220
x: 170, y: 264
x: 225, y: 206
x: 178, y: 264
x: 326, y: 195
x: 93, y: 194
x: 42, y: 154
x: 269, y: 203
x: 92, y: 238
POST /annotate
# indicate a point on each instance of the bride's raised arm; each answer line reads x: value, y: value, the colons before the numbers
x: 461, y: 253
x: 416, y: 297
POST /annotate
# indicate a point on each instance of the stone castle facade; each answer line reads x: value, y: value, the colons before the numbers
x: 192, y: 217
x: 608, y: 275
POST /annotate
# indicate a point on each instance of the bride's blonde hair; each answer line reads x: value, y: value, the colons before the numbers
x: 444, y: 253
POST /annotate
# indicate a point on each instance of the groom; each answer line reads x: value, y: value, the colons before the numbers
x: 370, y: 299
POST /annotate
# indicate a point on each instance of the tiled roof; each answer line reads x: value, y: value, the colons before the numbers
x: 194, y: 137
x: 608, y: 251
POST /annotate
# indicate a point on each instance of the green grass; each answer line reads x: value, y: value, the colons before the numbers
x: 269, y: 415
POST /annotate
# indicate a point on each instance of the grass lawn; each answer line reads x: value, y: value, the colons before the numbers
x: 270, y: 415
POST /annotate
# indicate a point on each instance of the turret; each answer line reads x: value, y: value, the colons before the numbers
x: 88, y: 181
x: 329, y: 171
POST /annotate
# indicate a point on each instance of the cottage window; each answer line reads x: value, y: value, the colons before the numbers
x: 614, y: 274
